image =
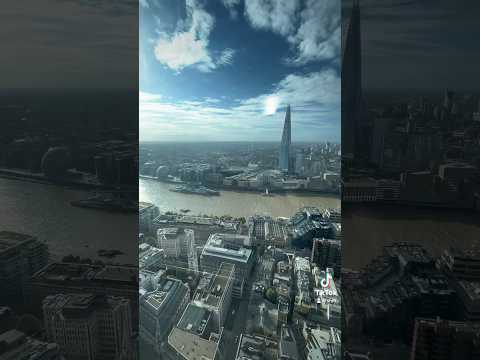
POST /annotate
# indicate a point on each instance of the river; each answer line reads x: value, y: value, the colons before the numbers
x: 234, y: 203
x: 44, y: 211
x: 366, y: 229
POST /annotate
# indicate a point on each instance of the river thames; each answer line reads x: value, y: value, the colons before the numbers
x: 44, y: 211
x: 234, y: 203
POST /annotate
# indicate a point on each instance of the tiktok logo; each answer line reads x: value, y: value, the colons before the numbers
x: 325, y: 282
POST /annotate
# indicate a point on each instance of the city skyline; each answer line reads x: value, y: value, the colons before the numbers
x: 221, y: 84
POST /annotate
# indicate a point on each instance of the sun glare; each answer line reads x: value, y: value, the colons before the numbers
x: 271, y: 105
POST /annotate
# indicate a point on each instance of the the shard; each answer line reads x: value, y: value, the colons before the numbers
x: 284, y: 158
x: 351, y: 83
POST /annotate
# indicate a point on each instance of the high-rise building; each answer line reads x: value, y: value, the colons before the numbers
x: 68, y: 278
x: 160, y: 309
x: 442, y: 339
x: 176, y: 241
x: 90, y: 327
x: 228, y: 248
x: 284, y: 158
x: 146, y: 213
x: 149, y: 257
x: 196, y: 336
x: 16, y: 345
x: 191, y: 250
x: 214, y: 292
x: 300, y: 163
x: 20, y: 257
x: 327, y: 253
x: 351, y: 83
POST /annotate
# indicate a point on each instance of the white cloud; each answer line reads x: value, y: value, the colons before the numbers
x: 314, y: 98
x: 226, y: 57
x: 144, y: 3
x: 318, y: 36
x: 314, y: 31
x: 231, y: 6
x: 146, y: 97
x: 183, y: 50
x: 189, y: 46
x: 276, y: 15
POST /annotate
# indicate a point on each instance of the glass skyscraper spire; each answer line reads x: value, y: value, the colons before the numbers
x: 284, y: 158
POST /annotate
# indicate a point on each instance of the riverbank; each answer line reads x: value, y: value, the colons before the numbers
x: 246, y: 190
x: 39, y: 178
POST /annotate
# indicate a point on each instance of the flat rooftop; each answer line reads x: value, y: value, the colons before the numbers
x: 250, y: 348
x: 211, y: 290
x: 194, y: 319
x: 191, y: 346
x: 217, y: 245
x: 75, y: 273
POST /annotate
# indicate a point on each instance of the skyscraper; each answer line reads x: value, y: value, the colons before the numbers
x: 283, y: 162
x: 351, y: 83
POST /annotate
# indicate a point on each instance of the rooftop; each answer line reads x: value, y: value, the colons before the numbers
x: 191, y: 346
x: 15, y: 345
x: 211, y: 287
x: 74, y: 274
x: 217, y: 245
x: 194, y: 319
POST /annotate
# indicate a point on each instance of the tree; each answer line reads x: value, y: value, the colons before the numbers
x: 271, y: 295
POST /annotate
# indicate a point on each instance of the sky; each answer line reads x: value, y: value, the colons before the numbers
x: 77, y: 44
x: 419, y: 44
x: 225, y: 70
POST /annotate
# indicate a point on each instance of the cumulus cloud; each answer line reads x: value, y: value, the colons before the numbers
x: 318, y: 36
x: 231, y: 6
x: 314, y: 99
x: 189, y: 45
x: 313, y: 30
x: 279, y: 16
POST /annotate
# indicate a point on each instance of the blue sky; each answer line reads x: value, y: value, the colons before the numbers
x: 225, y: 70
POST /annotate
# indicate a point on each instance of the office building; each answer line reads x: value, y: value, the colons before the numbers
x: 177, y: 242
x: 437, y: 339
x: 147, y: 212
x: 254, y: 347
x: 20, y: 257
x: 69, y: 278
x: 160, y: 310
x: 192, y: 254
x: 214, y: 292
x: 327, y: 253
x: 287, y: 347
x: 15, y: 345
x: 322, y: 343
x: 225, y: 248
x: 149, y: 257
x: 462, y: 264
x: 90, y: 327
x: 195, y: 336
